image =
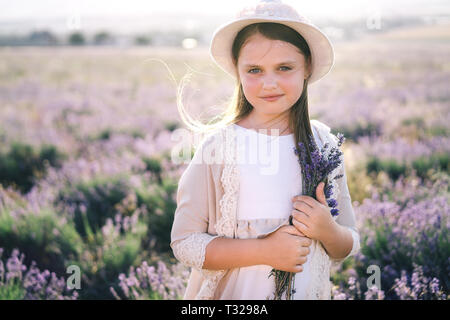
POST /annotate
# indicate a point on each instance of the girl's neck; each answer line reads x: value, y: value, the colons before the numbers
x: 255, y: 122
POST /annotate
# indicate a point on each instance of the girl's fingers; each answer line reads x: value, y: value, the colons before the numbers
x: 302, y: 206
x: 302, y: 260
x: 306, y: 199
x: 290, y: 229
x: 305, y: 251
x: 302, y: 228
x: 300, y: 216
x: 306, y: 242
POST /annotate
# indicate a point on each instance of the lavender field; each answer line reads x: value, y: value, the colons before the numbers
x: 86, y: 177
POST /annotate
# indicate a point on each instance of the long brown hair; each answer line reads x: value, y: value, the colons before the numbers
x: 239, y: 107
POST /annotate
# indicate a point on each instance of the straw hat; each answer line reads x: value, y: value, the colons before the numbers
x: 322, y: 55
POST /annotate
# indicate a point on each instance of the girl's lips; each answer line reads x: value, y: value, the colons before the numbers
x: 273, y: 98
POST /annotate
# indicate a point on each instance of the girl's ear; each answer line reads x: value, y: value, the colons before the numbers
x: 308, y: 71
x: 308, y: 68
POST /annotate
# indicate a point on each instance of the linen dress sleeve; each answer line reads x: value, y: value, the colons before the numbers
x: 189, y: 236
x: 346, y: 215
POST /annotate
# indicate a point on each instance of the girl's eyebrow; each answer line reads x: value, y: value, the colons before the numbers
x: 255, y: 65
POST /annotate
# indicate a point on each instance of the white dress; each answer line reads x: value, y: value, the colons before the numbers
x: 270, y: 176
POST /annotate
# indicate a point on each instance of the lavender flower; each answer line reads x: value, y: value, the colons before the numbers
x: 414, y: 287
x: 34, y: 284
x: 373, y: 293
x: 148, y: 282
x: 418, y: 286
x: 322, y: 164
x: 318, y: 168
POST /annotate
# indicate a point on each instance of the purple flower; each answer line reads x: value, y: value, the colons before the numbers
x: 148, y: 282
x: 37, y: 285
x: 320, y: 167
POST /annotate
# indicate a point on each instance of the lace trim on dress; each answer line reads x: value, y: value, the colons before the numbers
x: 319, y: 286
x: 191, y: 250
x: 230, y: 181
x: 226, y: 225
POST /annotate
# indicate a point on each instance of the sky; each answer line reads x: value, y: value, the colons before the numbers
x: 43, y: 11
x: 22, y: 9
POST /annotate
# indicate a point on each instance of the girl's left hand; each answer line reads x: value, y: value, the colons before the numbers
x: 313, y: 217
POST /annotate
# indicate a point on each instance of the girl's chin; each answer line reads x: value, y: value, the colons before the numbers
x: 270, y: 111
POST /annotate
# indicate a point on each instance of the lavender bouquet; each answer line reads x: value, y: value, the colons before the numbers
x: 322, y: 164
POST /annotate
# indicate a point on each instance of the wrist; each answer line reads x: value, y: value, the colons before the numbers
x: 264, y: 248
x: 332, y: 234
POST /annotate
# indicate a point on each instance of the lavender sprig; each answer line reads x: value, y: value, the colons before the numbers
x: 314, y: 170
x: 33, y: 284
x: 319, y: 169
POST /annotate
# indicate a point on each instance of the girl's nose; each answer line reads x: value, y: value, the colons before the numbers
x: 270, y: 83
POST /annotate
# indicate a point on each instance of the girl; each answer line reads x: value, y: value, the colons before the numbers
x: 231, y: 224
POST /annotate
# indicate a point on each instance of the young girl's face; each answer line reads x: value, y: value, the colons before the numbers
x: 271, y: 67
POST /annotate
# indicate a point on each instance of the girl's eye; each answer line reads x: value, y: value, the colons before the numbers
x: 250, y: 71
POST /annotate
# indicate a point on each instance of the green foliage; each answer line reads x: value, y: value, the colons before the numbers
x: 142, y: 40
x: 423, y: 166
x: 438, y: 162
x: 171, y: 125
x: 339, y: 274
x: 136, y: 133
x: 105, y: 134
x: 160, y: 203
x: 110, y: 252
x: 390, y: 166
x: 153, y: 164
x: 111, y: 246
x: 436, y: 131
x: 42, y: 236
x: 99, y: 197
x: 358, y: 129
x: 12, y: 290
x: 416, y: 122
x: 102, y: 38
x: 102, y: 135
x: 77, y: 39
x: 22, y: 164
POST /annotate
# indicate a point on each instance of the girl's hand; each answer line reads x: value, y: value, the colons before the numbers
x: 311, y: 217
x: 286, y: 249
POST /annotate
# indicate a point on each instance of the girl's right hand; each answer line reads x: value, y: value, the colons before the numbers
x: 286, y: 249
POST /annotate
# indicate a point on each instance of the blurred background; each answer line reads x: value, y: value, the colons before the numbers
x: 172, y: 22
x: 88, y: 119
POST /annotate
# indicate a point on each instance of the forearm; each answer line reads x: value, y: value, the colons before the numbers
x: 225, y: 253
x: 338, y: 244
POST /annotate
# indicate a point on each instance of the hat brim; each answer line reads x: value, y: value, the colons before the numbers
x: 322, y: 54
